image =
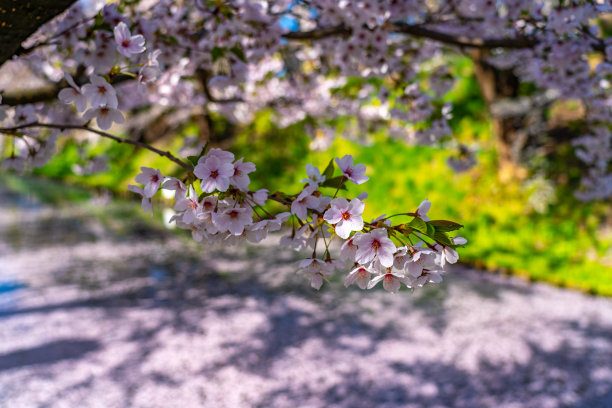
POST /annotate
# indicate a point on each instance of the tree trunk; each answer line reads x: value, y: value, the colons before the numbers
x: 21, y: 18
x: 509, y: 132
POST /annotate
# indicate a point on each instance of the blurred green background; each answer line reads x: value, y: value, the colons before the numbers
x: 528, y: 226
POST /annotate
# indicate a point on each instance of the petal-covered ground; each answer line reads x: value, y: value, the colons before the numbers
x: 100, y: 312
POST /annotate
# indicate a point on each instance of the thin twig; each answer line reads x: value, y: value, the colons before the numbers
x: 167, y: 154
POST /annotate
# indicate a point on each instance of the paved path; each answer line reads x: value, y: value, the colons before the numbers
x: 101, y: 313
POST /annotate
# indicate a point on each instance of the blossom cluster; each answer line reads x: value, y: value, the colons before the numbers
x: 216, y: 205
x: 99, y: 93
x: 115, y: 54
x: 367, y: 65
x: 26, y: 149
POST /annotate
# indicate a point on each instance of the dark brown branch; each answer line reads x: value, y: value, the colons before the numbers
x: 15, y: 130
x: 464, y: 41
x: 420, y: 31
x: 35, y: 95
x: 317, y: 33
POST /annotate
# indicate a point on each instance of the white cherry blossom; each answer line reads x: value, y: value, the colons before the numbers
x: 180, y: 189
x: 100, y: 93
x: 303, y: 202
x: 423, y: 209
x: 240, y: 178
x: 355, y: 173
x: 128, y: 44
x: 190, y: 206
x: 391, y: 281
x: 214, y: 174
x: 147, y: 204
x: 233, y: 219
x: 317, y: 270
x: 375, y: 244
x: 24, y: 114
x: 73, y: 94
x: 314, y: 176
x: 345, y: 215
x: 360, y: 276
x: 151, y: 179
x: 105, y: 116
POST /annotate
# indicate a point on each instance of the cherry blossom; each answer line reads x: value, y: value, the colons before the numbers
x: 105, y: 116
x: 317, y: 270
x: 233, y: 219
x: 240, y: 178
x: 214, y: 174
x: 259, y: 197
x: 151, y: 179
x: 304, y: 201
x: 348, y: 251
x: 375, y: 245
x: 25, y: 114
x: 238, y: 62
x: 189, y: 205
x: 147, y: 203
x: 423, y: 209
x: 422, y: 260
x: 354, y: 173
x: 73, y: 94
x: 360, y: 276
x: 314, y: 176
x: 391, y: 281
x: 16, y: 163
x: 447, y: 254
x: 100, y: 93
x: 126, y: 43
x: 172, y: 183
x: 345, y: 215
x: 458, y: 240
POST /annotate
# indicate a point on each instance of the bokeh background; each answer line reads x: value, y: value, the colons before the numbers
x: 520, y: 218
x: 102, y: 305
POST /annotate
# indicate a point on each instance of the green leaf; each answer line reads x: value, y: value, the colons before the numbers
x: 329, y: 170
x: 99, y: 20
x: 217, y: 53
x: 445, y: 226
x: 170, y: 39
x: 334, y: 182
x: 193, y: 160
x: 442, y: 238
x: 418, y: 225
x: 431, y: 230
x: 237, y: 51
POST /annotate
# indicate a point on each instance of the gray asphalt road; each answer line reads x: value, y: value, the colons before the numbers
x: 104, y: 313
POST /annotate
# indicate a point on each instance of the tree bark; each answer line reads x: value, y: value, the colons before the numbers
x: 509, y: 132
x: 21, y: 18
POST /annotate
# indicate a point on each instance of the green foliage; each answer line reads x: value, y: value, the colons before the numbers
x: 564, y: 243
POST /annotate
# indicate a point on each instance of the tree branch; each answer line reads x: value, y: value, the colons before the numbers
x: 464, y: 41
x: 419, y: 30
x: 167, y: 154
x: 317, y: 33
